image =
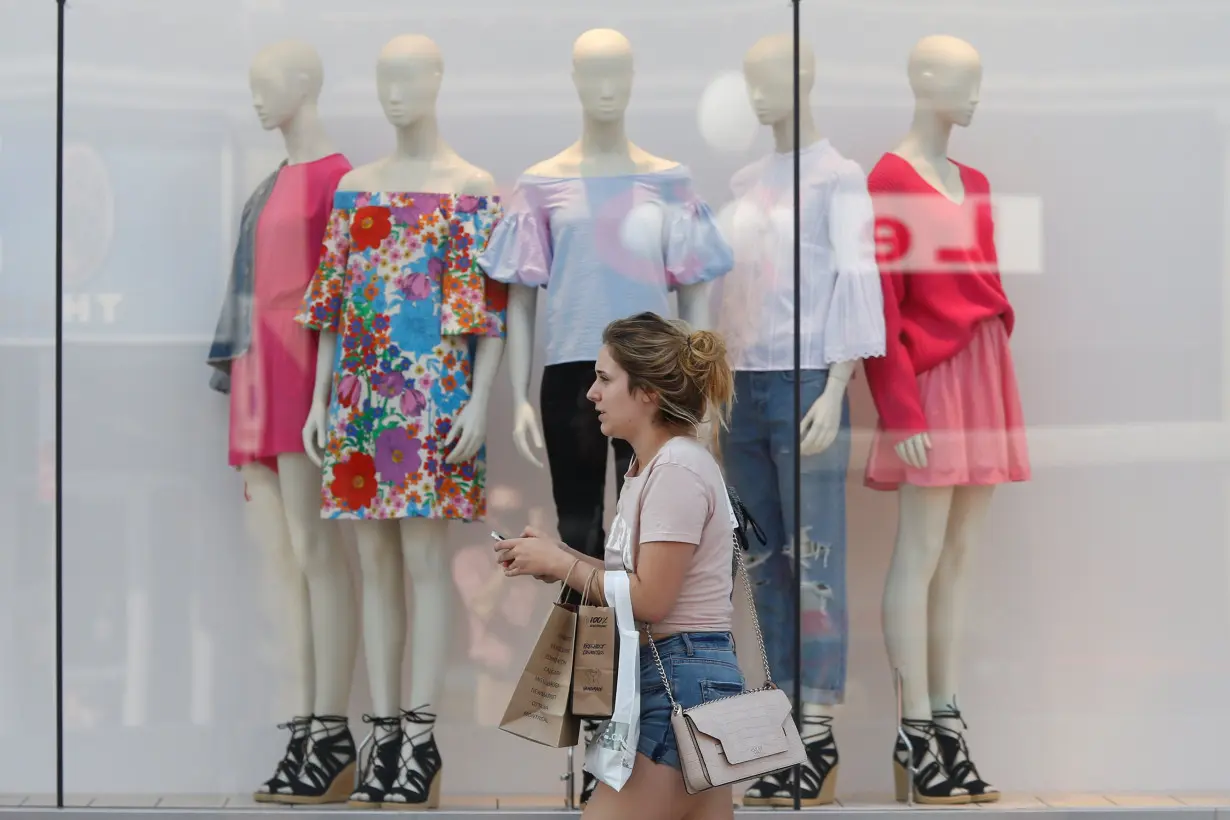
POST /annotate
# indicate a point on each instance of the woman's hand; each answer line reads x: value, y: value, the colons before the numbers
x: 533, y: 555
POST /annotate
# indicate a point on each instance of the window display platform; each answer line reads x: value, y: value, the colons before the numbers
x: 221, y: 807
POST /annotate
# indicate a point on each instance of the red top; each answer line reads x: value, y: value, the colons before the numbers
x: 940, y: 276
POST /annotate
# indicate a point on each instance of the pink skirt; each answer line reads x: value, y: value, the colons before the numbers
x: 974, y: 421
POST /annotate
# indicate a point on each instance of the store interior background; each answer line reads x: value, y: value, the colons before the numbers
x: 1098, y: 641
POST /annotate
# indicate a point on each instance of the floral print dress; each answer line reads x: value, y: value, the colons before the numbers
x: 398, y: 284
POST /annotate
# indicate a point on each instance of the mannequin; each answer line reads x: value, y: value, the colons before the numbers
x: 400, y: 410
x: 608, y: 230
x: 842, y: 321
x: 951, y: 426
x: 265, y: 362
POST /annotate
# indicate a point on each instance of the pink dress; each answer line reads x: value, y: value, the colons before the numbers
x: 272, y: 382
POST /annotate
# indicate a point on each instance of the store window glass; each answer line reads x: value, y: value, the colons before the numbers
x: 27, y: 419
x: 247, y: 627
x: 1049, y: 202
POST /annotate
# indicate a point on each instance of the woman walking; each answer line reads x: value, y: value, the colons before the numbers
x: 655, y: 381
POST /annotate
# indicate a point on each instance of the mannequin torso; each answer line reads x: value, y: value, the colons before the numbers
x: 575, y: 161
x: 840, y: 321
x: 944, y: 310
x: 402, y: 228
x: 602, y: 74
x: 271, y: 396
x: 443, y: 171
x: 608, y: 230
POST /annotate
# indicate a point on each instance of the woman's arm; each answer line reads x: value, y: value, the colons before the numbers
x: 654, y: 586
x: 675, y: 506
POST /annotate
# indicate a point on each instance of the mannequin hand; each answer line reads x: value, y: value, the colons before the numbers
x: 314, y: 430
x: 913, y: 451
x: 468, y: 433
x: 539, y: 557
x: 526, y: 432
x: 819, y: 427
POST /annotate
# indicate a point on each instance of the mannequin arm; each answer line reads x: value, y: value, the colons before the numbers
x: 317, y: 425
x: 819, y: 427
x: 694, y: 309
x: 522, y: 309
x: 470, y: 430
x: 694, y: 305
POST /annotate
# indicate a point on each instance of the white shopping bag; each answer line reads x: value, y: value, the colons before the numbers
x: 610, y: 757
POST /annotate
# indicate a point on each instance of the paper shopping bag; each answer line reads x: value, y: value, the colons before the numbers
x: 593, y: 665
x: 539, y: 709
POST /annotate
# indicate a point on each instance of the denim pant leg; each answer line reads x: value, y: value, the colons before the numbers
x: 751, y: 470
x: 825, y: 616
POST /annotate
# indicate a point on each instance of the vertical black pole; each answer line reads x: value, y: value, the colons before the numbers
x: 798, y: 415
x: 59, y: 405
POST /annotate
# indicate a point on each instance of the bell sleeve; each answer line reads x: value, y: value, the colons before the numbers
x: 854, y: 327
x: 322, y: 303
x: 519, y: 249
x: 695, y: 249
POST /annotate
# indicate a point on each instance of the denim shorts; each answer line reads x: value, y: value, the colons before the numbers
x: 701, y: 667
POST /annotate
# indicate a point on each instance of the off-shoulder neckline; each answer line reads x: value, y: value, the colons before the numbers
x: 677, y: 169
x: 414, y: 193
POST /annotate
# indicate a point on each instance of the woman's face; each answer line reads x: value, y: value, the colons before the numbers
x: 621, y: 412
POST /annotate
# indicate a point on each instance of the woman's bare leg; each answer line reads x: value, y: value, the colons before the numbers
x: 655, y: 792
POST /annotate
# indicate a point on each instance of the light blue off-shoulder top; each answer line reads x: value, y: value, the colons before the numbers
x: 604, y: 248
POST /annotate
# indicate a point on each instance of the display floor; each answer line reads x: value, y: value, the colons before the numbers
x: 1138, y: 807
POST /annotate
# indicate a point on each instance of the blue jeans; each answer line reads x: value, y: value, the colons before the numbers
x: 758, y: 452
x: 701, y: 667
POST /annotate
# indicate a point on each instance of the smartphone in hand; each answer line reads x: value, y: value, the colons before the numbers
x: 495, y: 536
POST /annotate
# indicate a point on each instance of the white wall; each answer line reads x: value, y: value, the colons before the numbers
x: 1099, y: 612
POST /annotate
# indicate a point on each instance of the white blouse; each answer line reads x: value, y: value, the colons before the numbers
x: 841, y: 301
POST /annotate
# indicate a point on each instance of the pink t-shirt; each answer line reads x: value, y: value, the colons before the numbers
x: 680, y: 495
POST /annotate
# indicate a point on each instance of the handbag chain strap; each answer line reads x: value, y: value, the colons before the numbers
x: 751, y: 600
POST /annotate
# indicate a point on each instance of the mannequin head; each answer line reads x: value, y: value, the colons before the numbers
x: 284, y: 77
x: 409, y: 71
x: 602, y: 73
x: 946, y: 76
x: 768, y: 68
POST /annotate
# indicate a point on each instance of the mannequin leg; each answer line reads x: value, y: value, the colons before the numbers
x: 823, y: 620
x: 921, y: 523
x: 576, y: 455
x: 267, y: 525
x: 330, y: 588
x: 384, y: 611
x: 921, y: 526
x: 946, y: 619
x: 384, y: 644
x: 947, y: 600
x: 425, y: 551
